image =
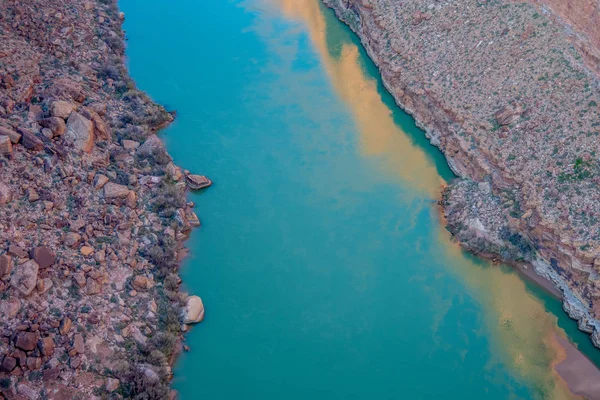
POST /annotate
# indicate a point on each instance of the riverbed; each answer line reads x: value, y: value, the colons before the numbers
x: 322, y: 260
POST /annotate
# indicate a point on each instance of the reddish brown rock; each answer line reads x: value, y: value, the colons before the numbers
x: 8, y: 364
x: 14, y: 136
x: 26, y: 341
x: 46, y: 346
x: 62, y: 109
x: 197, y: 182
x: 65, y: 325
x: 55, y: 124
x: 142, y: 283
x: 43, y: 255
x: 5, y: 265
x: 80, y: 131
x: 6, y: 149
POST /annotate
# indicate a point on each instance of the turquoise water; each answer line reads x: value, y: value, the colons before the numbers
x: 323, y: 265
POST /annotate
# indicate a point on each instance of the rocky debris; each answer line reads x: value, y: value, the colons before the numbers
x: 194, y: 310
x: 92, y: 225
x: 5, y: 146
x: 24, y: 279
x: 80, y: 130
x: 197, y: 182
x: 526, y: 125
x: 115, y: 191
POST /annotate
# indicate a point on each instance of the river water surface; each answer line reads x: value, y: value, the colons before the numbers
x: 322, y: 262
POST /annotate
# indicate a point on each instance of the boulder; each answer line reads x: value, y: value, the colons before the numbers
x: 71, y: 239
x: 112, y: 384
x: 25, y: 277
x: 5, y: 194
x: 78, y: 344
x: 99, y: 181
x: 142, y: 283
x: 10, y: 307
x: 8, y: 364
x: 5, y: 265
x: 153, y: 147
x: 130, y: 144
x: 15, y: 250
x: 43, y: 256
x: 174, y: 172
x: 30, y: 140
x: 26, y: 341
x: 65, y: 326
x: 115, y: 191
x: 55, y: 124
x: 5, y: 146
x: 46, y: 346
x: 61, y: 109
x: 131, y: 199
x: 194, y: 310
x: 14, y: 136
x: 101, y: 131
x: 80, y: 130
x: 197, y: 182
x: 86, y: 250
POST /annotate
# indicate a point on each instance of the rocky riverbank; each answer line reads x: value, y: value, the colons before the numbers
x: 93, y: 212
x: 509, y: 92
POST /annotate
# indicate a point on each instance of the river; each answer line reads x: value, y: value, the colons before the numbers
x: 322, y: 261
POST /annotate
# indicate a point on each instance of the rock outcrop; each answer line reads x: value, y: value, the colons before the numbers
x: 91, y: 222
x: 511, y: 97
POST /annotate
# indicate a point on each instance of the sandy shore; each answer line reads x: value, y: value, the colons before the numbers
x: 530, y: 274
x: 580, y: 374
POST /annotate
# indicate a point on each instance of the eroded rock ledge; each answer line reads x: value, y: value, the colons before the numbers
x: 93, y: 212
x: 509, y: 92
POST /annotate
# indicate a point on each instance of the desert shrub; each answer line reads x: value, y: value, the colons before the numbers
x: 168, y: 199
x: 164, y: 342
x: 139, y: 384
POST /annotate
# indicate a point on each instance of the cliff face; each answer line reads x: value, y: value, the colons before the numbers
x: 507, y: 92
x: 92, y: 212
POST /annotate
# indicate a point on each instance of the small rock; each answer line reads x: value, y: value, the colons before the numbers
x: 78, y: 344
x: 5, y: 194
x: 17, y: 251
x: 86, y: 250
x: 112, y: 384
x: 92, y: 286
x: 80, y: 130
x: 6, y: 149
x: 65, y: 325
x: 46, y: 346
x: 27, y: 391
x: 5, y: 265
x: 14, y: 136
x: 194, y: 310
x: 24, y: 278
x: 30, y: 140
x: 142, y: 283
x: 8, y: 364
x: 55, y: 124
x: 131, y: 200
x: 26, y: 341
x: 43, y: 256
x: 79, y: 278
x: 114, y: 190
x: 32, y: 195
x: 61, y: 109
x: 130, y: 144
x: 99, y: 181
x: 71, y: 239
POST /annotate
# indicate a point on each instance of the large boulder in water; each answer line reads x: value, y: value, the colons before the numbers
x: 80, y: 131
x: 194, y: 310
x: 197, y: 182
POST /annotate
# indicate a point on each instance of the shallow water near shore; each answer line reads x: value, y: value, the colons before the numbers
x: 322, y: 261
